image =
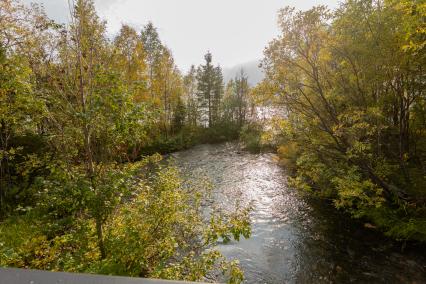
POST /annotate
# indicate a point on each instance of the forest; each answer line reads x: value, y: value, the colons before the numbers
x: 87, y: 122
x: 353, y: 85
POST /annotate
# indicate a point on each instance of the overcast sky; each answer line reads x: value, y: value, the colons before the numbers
x: 235, y: 31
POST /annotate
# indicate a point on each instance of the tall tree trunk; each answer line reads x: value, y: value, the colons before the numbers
x: 99, y: 233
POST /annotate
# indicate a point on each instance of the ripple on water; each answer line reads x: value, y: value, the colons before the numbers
x: 295, y: 240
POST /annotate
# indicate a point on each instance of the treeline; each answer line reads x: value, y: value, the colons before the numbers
x: 352, y: 82
x: 71, y: 93
x: 78, y: 114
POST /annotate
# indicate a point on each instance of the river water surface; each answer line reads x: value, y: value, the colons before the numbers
x: 295, y: 240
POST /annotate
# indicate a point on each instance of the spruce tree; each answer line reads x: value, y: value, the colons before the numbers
x: 210, y: 90
x: 205, y: 78
x: 218, y: 90
x: 190, y: 86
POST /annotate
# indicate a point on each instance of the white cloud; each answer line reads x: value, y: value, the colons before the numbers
x: 235, y: 31
x: 59, y: 10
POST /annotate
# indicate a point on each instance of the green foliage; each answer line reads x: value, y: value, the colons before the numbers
x: 159, y: 230
x: 259, y: 136
x: 357, y: 194
x: 210, y: 91
x: 77, y: 110
x: 351, y: 82
x: 20, y: 111
x: 160, y: 233
x: 251, y: 136
x: 222, y: 131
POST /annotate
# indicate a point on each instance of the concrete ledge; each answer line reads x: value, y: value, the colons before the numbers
x: 23, y: 276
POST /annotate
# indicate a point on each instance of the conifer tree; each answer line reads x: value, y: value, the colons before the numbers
x: 205, y: 74
x: 218, y: 90
x: 210, y: 90
x: 190, y: 91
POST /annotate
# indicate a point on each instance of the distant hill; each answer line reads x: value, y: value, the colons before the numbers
x: 251, y: 69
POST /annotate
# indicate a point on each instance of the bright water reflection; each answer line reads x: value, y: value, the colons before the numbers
x: 295, y: 240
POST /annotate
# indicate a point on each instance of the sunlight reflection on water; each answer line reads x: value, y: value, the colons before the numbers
x: 295, y: 240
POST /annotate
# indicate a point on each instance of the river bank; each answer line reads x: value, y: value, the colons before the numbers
x: 295, y: 239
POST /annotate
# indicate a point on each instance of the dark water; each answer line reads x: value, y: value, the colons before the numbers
x: 296, y: 240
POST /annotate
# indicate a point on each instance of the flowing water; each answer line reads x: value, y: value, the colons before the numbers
x: 295, y: 240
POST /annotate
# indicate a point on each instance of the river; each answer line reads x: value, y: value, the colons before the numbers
x: 295, y: 239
